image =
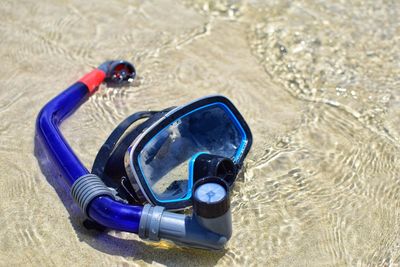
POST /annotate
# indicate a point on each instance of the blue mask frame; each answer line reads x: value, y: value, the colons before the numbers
x: 133, y: 157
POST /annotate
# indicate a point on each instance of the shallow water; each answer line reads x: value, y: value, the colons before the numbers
x: 318, y: 83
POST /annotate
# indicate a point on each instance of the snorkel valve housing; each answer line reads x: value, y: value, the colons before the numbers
x: 210, y: 225
x: 118, y: 72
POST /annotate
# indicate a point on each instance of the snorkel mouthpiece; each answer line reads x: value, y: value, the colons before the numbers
x: 206, y: 165
x: 209, y: 227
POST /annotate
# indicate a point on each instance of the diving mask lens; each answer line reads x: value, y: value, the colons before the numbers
x: 189, y: 142
x: 165, y: 161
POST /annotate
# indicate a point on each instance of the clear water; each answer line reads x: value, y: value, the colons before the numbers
x: 317, y: 81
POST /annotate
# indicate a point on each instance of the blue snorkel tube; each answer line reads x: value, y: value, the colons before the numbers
x: 203, y: 229
x: 103, y: 209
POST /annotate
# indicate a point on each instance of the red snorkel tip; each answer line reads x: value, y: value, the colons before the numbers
x: 93, y: 79
x: 115, y: 73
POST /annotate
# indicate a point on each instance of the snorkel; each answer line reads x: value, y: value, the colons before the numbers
x: 209, y: 226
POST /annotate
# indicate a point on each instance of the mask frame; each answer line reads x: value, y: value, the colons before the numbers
x: 131, y: 160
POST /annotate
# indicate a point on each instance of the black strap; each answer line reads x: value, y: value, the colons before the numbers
x: 108, y: 147
x: 109, y: 163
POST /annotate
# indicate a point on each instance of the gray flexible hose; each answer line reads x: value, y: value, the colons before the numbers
x: 88, y: 187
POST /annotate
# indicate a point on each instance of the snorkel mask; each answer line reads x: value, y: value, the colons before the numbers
x: 153, y: 163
